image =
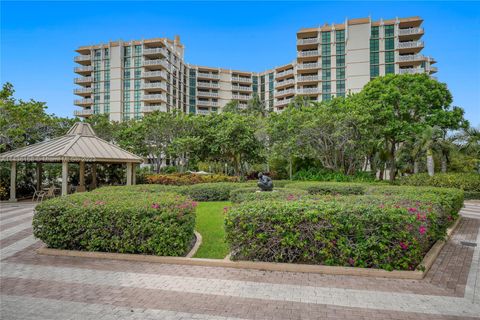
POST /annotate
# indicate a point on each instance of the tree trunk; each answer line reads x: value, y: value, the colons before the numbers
x: 430, y: 163
x: 290, y: 169
x: 444, y: 163
x: 416, y: 166
x: 393, y: 166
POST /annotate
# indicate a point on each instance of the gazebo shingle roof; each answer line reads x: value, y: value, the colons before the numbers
x: 79, y: 144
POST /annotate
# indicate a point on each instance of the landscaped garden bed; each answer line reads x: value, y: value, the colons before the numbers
x: 367, y: 225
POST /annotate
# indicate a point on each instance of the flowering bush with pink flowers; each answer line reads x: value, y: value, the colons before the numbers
x: 116, y: 220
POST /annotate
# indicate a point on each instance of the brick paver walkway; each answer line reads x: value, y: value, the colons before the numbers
x: 46, y: 287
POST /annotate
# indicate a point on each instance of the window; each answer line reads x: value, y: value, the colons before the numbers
x: 106, y: 64
x: 389, y: 44
x: 137, y: 61
x: 326, y: 86
x: 340, y: 73
x: 138, y: 73
x: 137, y: 85
x: 374, y: 33
x: 326, y: 49
x: 389, y: 68
x: 138, y: 50
x: 106, y: 52
x: 374, y: 71
x: 340, y: 48
x: 98, y: 54
x: 326, y: 62
x: 326, y: 74
x: 326, y: 37
x: 326, y: 97
x: 374, y: 58
x: 106, y: 85
x: 126, y: 62
x: 106, y: 107
x: 340, y: 86
x: 340, y: 36
x: 341, y: 61
x: 374, y: 45
x: 389, y: 56
x: 389, y: 31
x: 127, y: 51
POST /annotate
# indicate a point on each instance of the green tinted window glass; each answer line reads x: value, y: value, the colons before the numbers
x: 389, y: 56
x: 389, y: 68
x: 389, y: 31
x: 325, y: 36
x: 375, y: 32
x: 374, y: 45
x: 389, y: 44
x: 374, y: 71
x: 340, y: 35
x: 340, y: 73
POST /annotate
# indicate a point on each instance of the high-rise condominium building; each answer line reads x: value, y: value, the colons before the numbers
x: 129, y: 79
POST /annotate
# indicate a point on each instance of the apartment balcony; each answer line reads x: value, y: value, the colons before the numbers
x: 154, y: 97
x: 242, y: 88
x: 207, y: 103
x: 83, y: 102
x: 154, y: 107
x: 431, y: 69
x: 306, y: 41
x: 207, y: 94
x: 308, y: 91
x: 156, y: 63
x: 305, y: 66
x: 411, y: 58
x: 242, y: 105
x: 203, y: 112
x: 411, y: 71
x: 83, y: 113
x: 205, y: 75
x: 83, y: 80
x: 82, y: 91
x: 410, y: 33
x: 83, y: 59
x: 305, y: 54
x: 155, y: 51
x: 410, y: 46
x: 210, y: 85
x: 241, y: 96
x: 284, y: 73
x: 286, y: 92
x: 285, y: 83
x: 283, y: 102
x: 241, y: 79
x: 155, y: 86
x: 314, y: 78
x: 154, y: 75
x: 84, y: 70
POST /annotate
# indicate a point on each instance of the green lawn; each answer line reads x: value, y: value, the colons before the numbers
x: 210, y: 225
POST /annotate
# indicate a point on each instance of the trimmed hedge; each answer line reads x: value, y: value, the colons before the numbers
x: 181, y: 179
x: 329, y: 187
x: 469, y: 182
x: 112, y: 220
x: 253, y: 194
x: 210, y: 191
x: 331, y: 233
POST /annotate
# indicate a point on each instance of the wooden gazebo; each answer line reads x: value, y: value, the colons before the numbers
x: 79, y: 145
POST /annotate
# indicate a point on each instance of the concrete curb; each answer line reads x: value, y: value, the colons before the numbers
x: 197, y: 244
x: 427, y: 262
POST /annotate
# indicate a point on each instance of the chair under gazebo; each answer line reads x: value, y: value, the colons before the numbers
x: 80, y: 145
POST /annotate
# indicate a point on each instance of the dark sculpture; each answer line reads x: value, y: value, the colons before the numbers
x: 265, y: 182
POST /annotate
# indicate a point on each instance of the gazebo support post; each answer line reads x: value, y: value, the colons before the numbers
x: 81, y: 186
x: 64, y: 178
x: 94, y: 175
x: 134, y: 175
x: 13, y: 181
x: 129, y: 174
x: 39, y: 176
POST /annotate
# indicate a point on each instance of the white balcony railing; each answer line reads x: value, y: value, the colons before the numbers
x: 241, y: 88
x: 82, y: 90
x: 208, y: 75
x: 311, y: 53
x: 148, y: 51
x: 84, y: 69
x: 154, y: 107
x: 83, y: 80
x: 308, y: 78
x: 83, y: 101
x: 307, y: 41
x: 207, y: 103
x: 409, y: 31
x: 241, y: 79
x: 284, y: 73
x: 154, y: 74
x: 411, y: 71
x: 285, y: 92
x: 308, y: 91
x: 207, y: 94
x: 207, y: 85
x: 155, y: 85
x: 283, y: 102
x: 154, y: 97
x: 285, y: 83
x: 156, y: 62
x: 83, y: 113
x: 203, y: 112
x: 304, y: 66
x: 241, y: 96
x: 411, y: 57
x: 409, y: 44
x: 85, y: 57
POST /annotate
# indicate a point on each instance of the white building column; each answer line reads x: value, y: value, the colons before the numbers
x: 64, y: 178
x: 134, y: 175
x: 129, y: 173
x: 13, y: 181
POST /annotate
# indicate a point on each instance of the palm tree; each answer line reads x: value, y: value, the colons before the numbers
x: 468, y: 141
x: 427, y: 142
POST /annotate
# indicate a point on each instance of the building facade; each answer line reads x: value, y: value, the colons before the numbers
x: 130, y: 79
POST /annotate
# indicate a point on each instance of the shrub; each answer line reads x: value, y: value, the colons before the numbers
x: 313, y: 174
x: 180, y: 179
x: 329, y: 187
x: 211, y: 191
x: 331, y: 233
x: 117, y: 221
x: 469, y: 182
x: 253, y: 194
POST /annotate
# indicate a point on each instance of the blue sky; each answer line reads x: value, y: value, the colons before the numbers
x: 38, y: 39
